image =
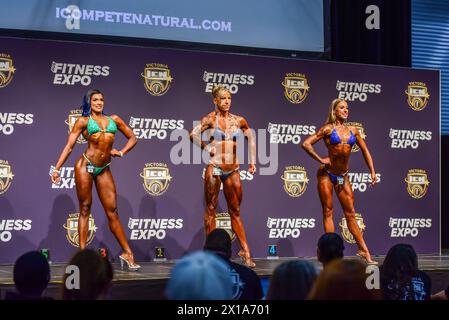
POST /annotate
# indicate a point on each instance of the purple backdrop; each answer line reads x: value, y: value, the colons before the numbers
x: 42, y: 84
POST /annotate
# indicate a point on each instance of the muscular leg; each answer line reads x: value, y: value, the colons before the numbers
x: 211, y: 190
x: 233, y: 193
x: 325, y: 193
x: 83, y: 181
x: 107, y: 194
x: 346, y: 198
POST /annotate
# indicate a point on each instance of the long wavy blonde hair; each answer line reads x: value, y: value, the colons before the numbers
x: 331, y: 116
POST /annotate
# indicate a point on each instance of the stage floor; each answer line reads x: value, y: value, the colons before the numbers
x: 149, y: 281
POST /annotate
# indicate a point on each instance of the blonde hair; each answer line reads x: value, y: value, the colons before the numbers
x: 217, y: 88
x: 331, y: 116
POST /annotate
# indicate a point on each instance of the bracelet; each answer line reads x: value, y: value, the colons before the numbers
x: 57, y: 171
x: 121, y: 154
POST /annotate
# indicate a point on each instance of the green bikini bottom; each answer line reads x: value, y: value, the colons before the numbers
x: 97, y: 170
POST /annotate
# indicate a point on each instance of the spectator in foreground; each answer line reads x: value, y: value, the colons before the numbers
x: 292, y: 280
x: 95, y: 277
x: 200, y: 275
x: 343, y: 280
x: 330, y: 247
x: 442, y: 295
x: 400, y: 278
x: 246, y: 282
x: 31, y: 277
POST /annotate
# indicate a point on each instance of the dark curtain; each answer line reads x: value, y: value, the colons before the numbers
x: 444, y: 192
x: 353, y: 42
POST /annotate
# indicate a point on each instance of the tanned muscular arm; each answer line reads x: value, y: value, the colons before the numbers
x: 197, y: 131
x: 249, y: 134
x: 314, y: 138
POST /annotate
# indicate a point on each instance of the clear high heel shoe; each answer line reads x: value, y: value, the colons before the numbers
x: 246, y: 259
x: 362, y: 255
x: 122, y: 259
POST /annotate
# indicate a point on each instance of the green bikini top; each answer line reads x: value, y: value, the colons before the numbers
x: 93, y: 126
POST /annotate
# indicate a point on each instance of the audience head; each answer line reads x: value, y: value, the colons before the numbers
x: 218, y: 241
x: 330, y: 247
x: 343, y: 280
x: 95, y: 276
x: 200, y: 275
x: 31, y: 274
x: 401, y: 259
x: 397, y: 270
x: 292, y: 280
